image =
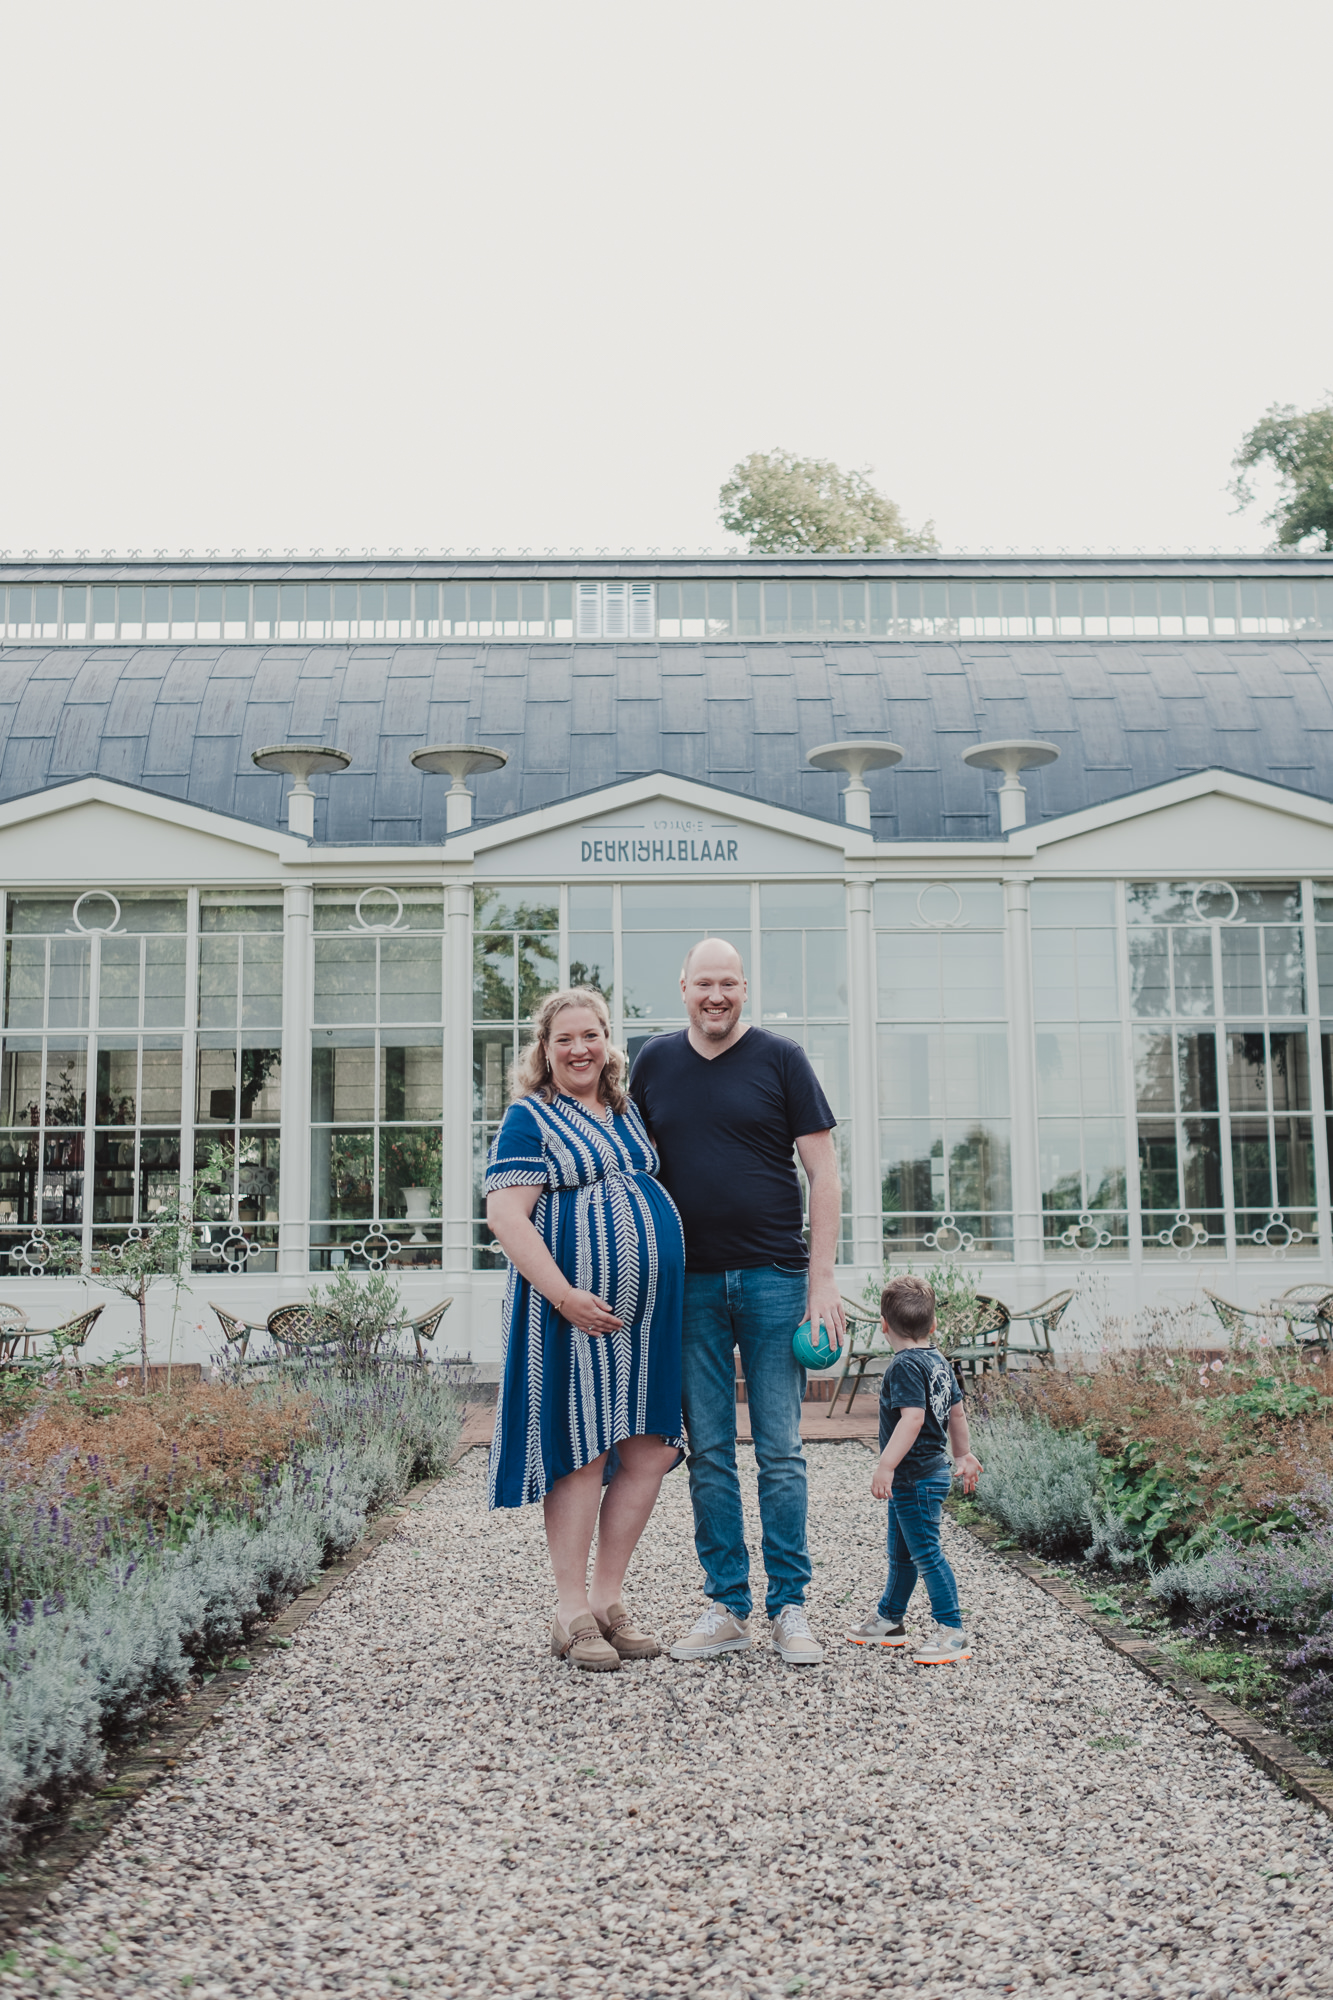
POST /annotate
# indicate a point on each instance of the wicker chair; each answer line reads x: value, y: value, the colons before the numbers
x: 987, y: 1349
x: 300, y: 1330
x: 13, y: 1326
x: 1308, y: 1312
x: 1268, y: 1322
x: 66, y: 1341
x: 1302, y: 1316
x: 237, y: 1332
x: 1042, y: 1321
x: 425, y: 1326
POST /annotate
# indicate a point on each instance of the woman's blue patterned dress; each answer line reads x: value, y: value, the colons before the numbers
x: 567, y: 1396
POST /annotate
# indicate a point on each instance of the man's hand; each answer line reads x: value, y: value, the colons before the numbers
x: 967, y: 1470
x: 823, y: 1303
x: 881, y: 1481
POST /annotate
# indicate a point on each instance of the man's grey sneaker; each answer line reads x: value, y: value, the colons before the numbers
x: 716, y: 1631
x: 793, y: 1638
x: 946, y: 1646
x: 872, y: 1630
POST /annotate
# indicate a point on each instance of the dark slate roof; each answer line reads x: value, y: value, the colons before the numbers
x: 182, y: 720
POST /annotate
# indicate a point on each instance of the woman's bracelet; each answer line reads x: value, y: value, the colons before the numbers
x: 560, y: 1309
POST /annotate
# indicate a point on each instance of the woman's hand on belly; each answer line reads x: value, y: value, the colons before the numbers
x: 589, y: 1313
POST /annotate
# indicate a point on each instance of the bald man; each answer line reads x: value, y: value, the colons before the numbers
x: 729, y: 1106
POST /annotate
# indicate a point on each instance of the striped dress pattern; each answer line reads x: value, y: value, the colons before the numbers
x: 567, y: 1396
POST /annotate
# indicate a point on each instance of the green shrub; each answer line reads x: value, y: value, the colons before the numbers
x: 1042, y: 1484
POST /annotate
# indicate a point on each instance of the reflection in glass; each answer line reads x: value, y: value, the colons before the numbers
x: 344, y: 978
x: 411, y: 979
x: 591, y: 958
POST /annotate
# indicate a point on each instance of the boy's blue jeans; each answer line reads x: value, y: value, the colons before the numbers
x: 757, y: 1311
x: 915, y: 1507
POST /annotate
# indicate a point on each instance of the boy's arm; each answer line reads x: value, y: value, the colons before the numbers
x: 965, y: 1465
x: 905, y: 1434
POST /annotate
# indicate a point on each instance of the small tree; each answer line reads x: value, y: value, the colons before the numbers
x: 157, y: 1252
x: 784, y: 505
x: 364, y: 1310
x: 1298, y: 447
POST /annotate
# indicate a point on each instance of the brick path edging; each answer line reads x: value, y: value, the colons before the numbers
x: 1273, y: 1751
x: 33, y: 1879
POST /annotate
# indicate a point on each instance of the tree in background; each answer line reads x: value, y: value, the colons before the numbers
x: 786, y: 505
x: 1298, y: 446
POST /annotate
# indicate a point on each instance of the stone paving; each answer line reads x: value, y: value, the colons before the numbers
x: 416, y: 1798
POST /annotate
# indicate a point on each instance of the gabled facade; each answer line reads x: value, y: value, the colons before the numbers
x: 1096, y: 1045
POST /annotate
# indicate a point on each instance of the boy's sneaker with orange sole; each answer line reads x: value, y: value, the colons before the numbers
x: 947, y: 1646
x: 872, y: 1630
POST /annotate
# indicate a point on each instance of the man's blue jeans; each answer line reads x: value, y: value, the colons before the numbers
x: 757, y: 1311
x: 915, y: 1507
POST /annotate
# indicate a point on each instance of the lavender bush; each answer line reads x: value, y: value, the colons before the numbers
x: 106, y: 1617
x: 1287, y: 1581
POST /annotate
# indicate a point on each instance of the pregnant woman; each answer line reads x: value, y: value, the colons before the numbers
x: 589, y: 1418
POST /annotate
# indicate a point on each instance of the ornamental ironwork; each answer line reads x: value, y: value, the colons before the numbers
x: 950, y: 1238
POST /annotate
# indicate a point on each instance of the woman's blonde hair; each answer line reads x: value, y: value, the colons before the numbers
x: 532, y: 1074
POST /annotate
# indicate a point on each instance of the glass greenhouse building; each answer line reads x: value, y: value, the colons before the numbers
x: 1072, y: 1000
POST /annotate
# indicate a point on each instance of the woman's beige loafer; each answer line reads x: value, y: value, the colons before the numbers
x: 584, y: 1645
x: 629, y: 1643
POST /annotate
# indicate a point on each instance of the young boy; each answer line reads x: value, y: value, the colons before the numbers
x: 920, y: 1411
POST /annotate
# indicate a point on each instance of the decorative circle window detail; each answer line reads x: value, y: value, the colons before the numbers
x: 1276, y: 1234
x: 950, y: 1238
x: 395, y: 922
x: 95, y: 930
x: 1086, y: 1236
x: 1204, y: 890
x: 931, y: 914
x: 1184, y: 1236
x: 234, y: 1250
x: 376, y: 1248
x: 34, y: 1255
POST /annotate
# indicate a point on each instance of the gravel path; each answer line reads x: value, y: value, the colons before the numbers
x: 417, y: 1798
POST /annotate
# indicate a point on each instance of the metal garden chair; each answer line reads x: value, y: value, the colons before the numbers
x: 1041, y: 1320
x: 865, y: 1344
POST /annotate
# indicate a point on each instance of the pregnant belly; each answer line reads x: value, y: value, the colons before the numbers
x: 626, y: 1231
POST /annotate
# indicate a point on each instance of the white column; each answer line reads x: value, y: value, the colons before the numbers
x: 294, y: 1184
x: 189, y: 1046
x: 458, y: 1077
x: 1024, y: 1163
x: 1315, y: 1002
x: 867, y: 1223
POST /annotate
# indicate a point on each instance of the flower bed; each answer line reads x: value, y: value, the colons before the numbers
x: 1194, y: 1493
x: 143, y: 1537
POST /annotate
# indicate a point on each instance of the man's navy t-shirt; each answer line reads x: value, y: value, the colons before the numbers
x: 725, y: 1128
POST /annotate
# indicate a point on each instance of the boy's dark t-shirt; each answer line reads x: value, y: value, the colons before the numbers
x: 725, y: 1127
x: 919, y: 1378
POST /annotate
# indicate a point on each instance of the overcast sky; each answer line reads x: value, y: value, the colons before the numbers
x: 302, y: 274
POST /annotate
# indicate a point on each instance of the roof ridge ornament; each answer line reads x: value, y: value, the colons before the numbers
x: 302, y: 762
x: 1012, y: 755
x: 458, y: 761
x: 856, y: 755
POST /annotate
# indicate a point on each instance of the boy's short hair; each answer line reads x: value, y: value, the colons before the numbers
x: 908, y: 1306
